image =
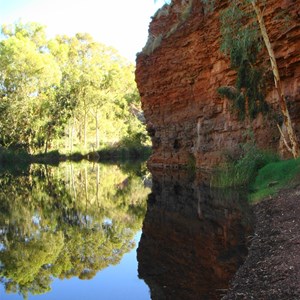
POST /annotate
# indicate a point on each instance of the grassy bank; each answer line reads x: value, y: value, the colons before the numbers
x: 262, y: 173
x: 274, y: 177
x: 241, y: 170
x: 10, y: 158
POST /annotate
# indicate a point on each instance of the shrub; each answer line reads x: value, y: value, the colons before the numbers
x: 13, y: 157
x: 242, y: 171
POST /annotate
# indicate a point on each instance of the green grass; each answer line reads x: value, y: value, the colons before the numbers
x: 242, y: 171
x: 273, y: 177
x: 262, y: 173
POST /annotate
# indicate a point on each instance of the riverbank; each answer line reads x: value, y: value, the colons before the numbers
x: 272, y: 268
x: 8, y: 157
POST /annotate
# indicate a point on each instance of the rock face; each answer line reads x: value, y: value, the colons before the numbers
x: 181, y: 68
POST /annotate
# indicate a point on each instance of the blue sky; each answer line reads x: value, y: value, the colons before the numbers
x: 122, y: 24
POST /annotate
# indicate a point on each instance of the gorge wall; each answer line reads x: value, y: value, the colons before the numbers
x: 180, y: 69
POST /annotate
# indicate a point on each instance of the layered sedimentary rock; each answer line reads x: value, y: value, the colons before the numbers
x: 180, y: 69
x: 194, y: 238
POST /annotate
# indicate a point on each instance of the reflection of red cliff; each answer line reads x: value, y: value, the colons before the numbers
x: 184, y: 255
x: 179, y: 78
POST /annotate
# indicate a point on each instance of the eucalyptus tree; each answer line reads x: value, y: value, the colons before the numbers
x: 99, y: 85
x: 74, y: 83
x: 294, y: 145
x: 28, y: 73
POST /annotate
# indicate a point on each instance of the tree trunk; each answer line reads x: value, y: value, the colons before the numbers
x: 86, y: 185
x: 97, y: 131
x: 283, y: 105
x: 46, y: 145
x: 73, y: 182
x: 70, y: 135
x: 97, y: 184
x: 47, y: 142
x: 85, y: 129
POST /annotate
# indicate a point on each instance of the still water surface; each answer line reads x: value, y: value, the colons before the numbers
x: 94, y: 231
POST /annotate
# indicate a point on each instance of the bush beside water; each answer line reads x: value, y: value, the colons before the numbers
x: 10, y: 159
x: 17, y: 157
x: 124, y: 153
x: 242, y: 171
x: 261, y: 172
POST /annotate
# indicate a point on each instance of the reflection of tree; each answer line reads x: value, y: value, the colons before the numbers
x: 24, y: 262
x: 63, y: 222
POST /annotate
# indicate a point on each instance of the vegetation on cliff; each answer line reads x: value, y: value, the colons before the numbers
x: 185, y: 114
x: 242, y: 42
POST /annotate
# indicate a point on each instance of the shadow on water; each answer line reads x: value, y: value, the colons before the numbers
x: 194, y: 238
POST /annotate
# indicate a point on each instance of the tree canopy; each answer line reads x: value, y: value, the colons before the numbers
x: 64, y: 92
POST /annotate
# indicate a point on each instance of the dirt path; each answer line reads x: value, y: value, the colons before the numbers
x: 272, y: 269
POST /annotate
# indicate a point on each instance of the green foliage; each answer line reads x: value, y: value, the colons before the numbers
x: 33, y: 31
x: 68, y: 92
x: 7, y: 156
x: 228, y: 92
x: 101, y: 88
x: 241, y: 171
x: 124, y: 152
x: 186, y: 11
x: 27, y: 72
x: 241, y: 42
x: 164, y: 11
x: 273, y: 177
x: 209, y: 5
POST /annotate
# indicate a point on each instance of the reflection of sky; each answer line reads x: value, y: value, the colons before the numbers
x: 36, y: 219
x: 107, y: 221
x: 113, y: 283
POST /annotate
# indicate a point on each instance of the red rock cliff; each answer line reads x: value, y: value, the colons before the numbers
x: 181, y: 67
